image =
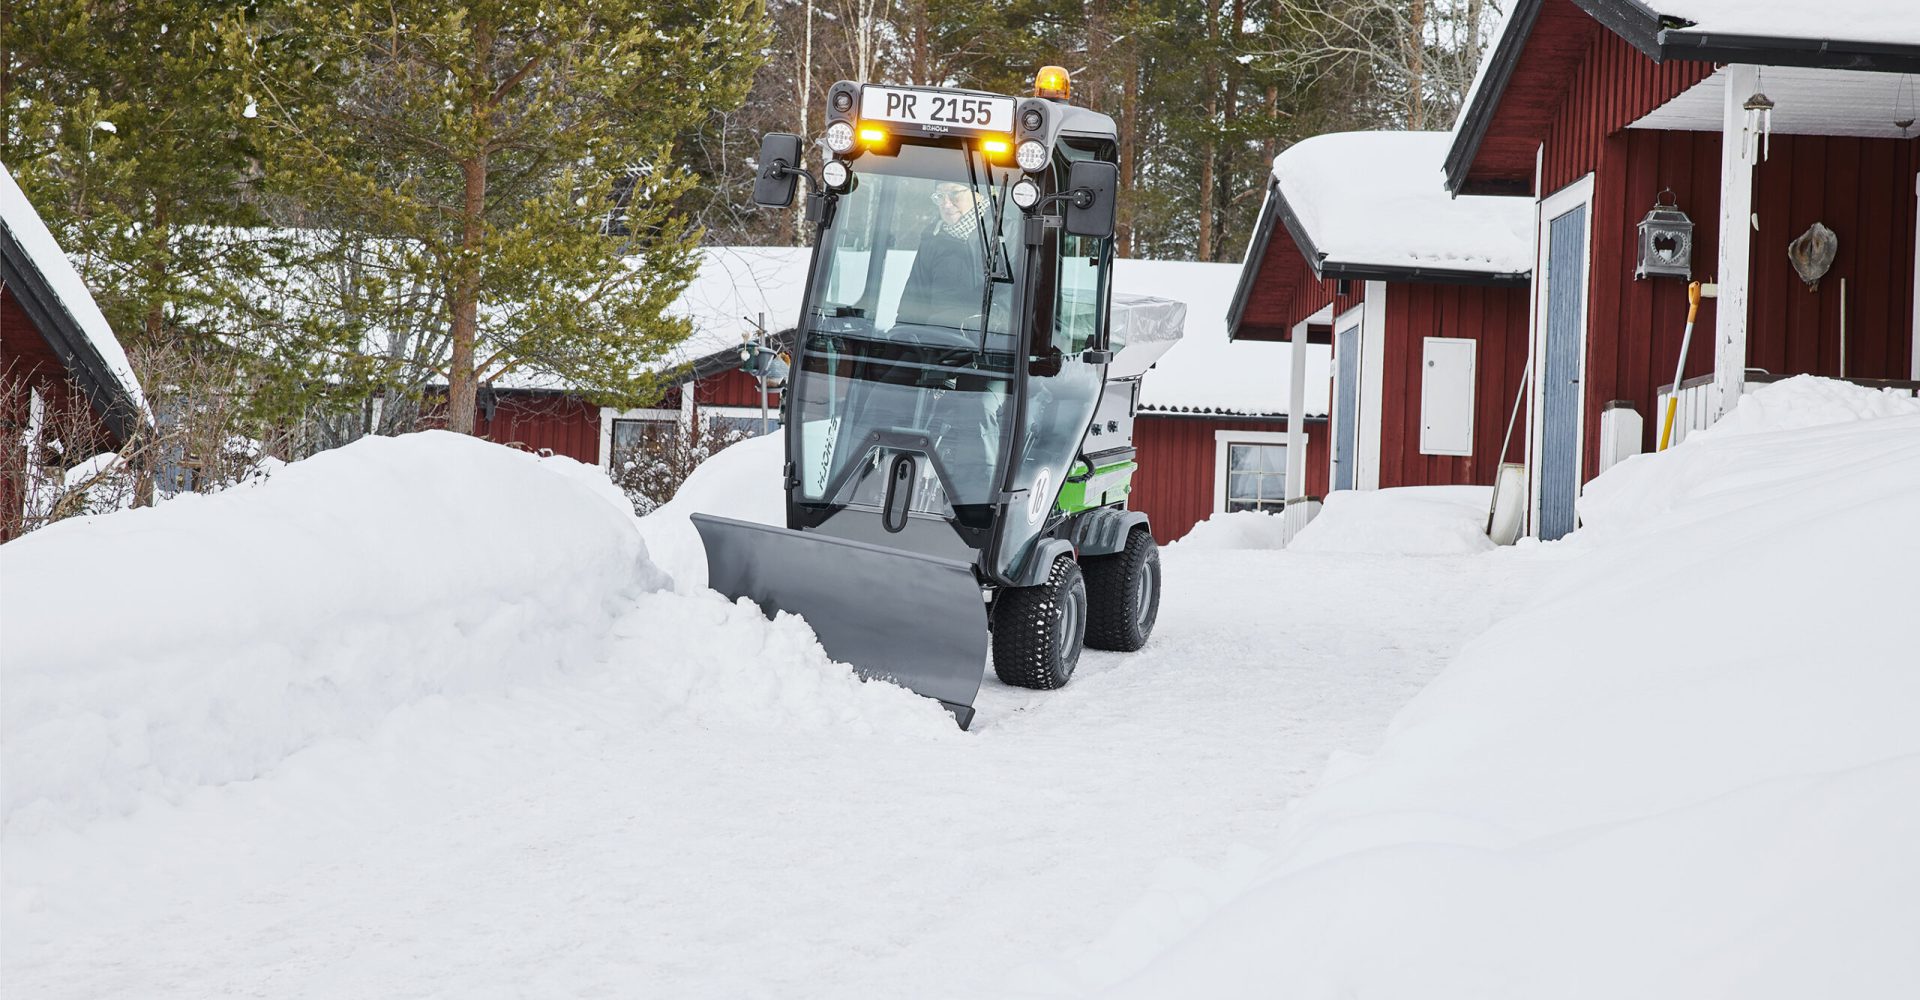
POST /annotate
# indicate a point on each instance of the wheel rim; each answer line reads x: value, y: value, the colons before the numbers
x: 1143, y: 597
x: 1067, y: 627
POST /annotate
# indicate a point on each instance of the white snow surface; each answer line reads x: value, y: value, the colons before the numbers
x: 1807, y: 401
x: 1403, y: 521
x: 27, y: 229
x: 1686, y: 767
x: 1236, y: 529
x: 1883, y: 21
x: 1380, y: 198
x: 526, y: 773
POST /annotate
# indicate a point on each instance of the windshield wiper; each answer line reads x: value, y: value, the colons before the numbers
x: 993, y: 258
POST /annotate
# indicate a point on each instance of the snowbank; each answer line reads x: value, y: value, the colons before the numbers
x: 1239, y: 529
x: 1689, y: 769
x: 741, y: 482
x: 1807, y: 401
x: 153, y: 652
x: 1407, y: 521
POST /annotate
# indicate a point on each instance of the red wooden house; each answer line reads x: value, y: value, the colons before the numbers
x: 1423, y: 297
x: 58, y: 357
x: 1761, y: 120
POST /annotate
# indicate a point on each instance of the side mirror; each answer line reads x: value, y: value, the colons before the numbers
x: 780, y: 154
x: 1092, y: 216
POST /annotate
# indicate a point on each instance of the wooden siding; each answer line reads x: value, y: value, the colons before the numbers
x: 1495, y: 318
x: 1174, y: 485
x: 1861, y: 188
x: 26, y: 358
x: 563, y: 425
x: 1613, y: 86
x: 1286, y: 290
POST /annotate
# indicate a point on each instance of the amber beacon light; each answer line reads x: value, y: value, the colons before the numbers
x: 1051, y: 82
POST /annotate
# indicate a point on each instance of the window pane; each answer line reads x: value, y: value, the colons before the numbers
x: 1256, y: 476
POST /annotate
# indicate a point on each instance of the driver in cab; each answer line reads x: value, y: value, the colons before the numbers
x: 945, y: 285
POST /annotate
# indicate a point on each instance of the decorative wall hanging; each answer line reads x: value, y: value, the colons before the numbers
x: 1812, y: 253
x: 1666, y: 240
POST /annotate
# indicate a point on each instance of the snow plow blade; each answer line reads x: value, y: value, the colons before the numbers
x: 915, y: 620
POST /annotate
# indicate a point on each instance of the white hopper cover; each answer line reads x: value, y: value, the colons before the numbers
x: 1146, y: 327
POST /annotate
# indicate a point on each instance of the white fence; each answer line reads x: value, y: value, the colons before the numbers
x: 1297, y: 514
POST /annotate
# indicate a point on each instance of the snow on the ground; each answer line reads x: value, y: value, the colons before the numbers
x: 1406, y: 521
x: 1688, y: 767
x: 698, y: 804
x: 1808, y: 401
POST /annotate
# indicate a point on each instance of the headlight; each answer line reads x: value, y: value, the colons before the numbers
x: 836, y: 174
x: 1032, y: 156
x: 1025, y: 193
x: 840, y: 137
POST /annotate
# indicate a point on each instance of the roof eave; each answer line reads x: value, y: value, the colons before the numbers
x: 118, y: 409
x: 1250, y: 268
x: 1478, y: 116
x: 1357, y: 271
x: 1813, y: 53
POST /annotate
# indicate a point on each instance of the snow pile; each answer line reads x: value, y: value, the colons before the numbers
x: 1689, y: 769
x: 1379, y: 199
x: 153, y: 652
x: 1406, y: 521
x: 1808, y: 401
x: 1239, y: 529
x: 741, y: 482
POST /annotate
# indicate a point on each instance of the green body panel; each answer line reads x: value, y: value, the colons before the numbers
x: 1108, y: 484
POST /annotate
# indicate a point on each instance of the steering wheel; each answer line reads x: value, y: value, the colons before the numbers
x: 941, y: 336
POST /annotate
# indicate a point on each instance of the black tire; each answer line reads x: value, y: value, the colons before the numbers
x: 1123, y: 591
x: 1038, y: 631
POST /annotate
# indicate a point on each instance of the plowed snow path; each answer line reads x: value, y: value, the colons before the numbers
x: 569, y: 841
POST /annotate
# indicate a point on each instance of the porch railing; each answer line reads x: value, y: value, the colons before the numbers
x: 1695, y: 409
x: 1297, y: 513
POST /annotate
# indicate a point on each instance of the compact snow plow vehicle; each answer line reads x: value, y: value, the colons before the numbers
x: 959, y: 412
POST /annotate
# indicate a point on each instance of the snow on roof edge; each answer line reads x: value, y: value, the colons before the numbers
x: 37, y: 241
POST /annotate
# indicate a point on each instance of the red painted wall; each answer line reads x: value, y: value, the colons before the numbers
x: 26, y: 359
x: 563, y: 424
x: 1496, y: 319
x: 1860, y: 188
x: 1174, y: 484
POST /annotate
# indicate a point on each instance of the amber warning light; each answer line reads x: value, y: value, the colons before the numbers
x: 1051, y: 82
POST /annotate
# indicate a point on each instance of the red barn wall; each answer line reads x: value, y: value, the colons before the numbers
x: 1174, y: 484
x: 1495, y: 317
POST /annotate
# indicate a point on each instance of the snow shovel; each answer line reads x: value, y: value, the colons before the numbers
x: 915, y: 620
x: 1679, y: 367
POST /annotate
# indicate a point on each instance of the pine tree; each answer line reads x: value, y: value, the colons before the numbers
x: 517, y: 155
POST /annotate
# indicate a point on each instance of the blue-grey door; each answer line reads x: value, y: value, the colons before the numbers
x: 1560, y: 374
x: 1346, y: 404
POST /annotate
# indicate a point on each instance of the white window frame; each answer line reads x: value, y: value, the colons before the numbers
x: 1221, y: 439
x: 1473, y: 375
x: 609, y: 414
x: 1373, y: 380
x: 1366, y: 400
x: 1552, y: 207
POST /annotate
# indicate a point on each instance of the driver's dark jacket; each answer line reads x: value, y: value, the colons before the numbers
x: 945, y: 284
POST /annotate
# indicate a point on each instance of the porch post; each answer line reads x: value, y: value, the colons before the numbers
x: 1297, y: 414
x: 1736, y: 240
x: 686, y: 411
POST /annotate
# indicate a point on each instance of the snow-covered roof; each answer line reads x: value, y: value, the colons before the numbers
x: 36, y: 242
x: 1894, y: 22
x: 732, y: 287
x: 1378, y: 200
x: 1205, y: 372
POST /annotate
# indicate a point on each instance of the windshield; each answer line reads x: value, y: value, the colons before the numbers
x: 909, y: 339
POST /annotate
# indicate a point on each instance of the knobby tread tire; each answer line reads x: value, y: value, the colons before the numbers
x: 1026, y: 648
x: 1113, y: 618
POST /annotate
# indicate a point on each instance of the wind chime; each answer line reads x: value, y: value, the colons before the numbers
x: 1757, y: 137
x: 1903, y: 115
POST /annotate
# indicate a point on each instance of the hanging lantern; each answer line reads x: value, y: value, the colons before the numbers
x: 1666, y: 241
x: 1758, y: 135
